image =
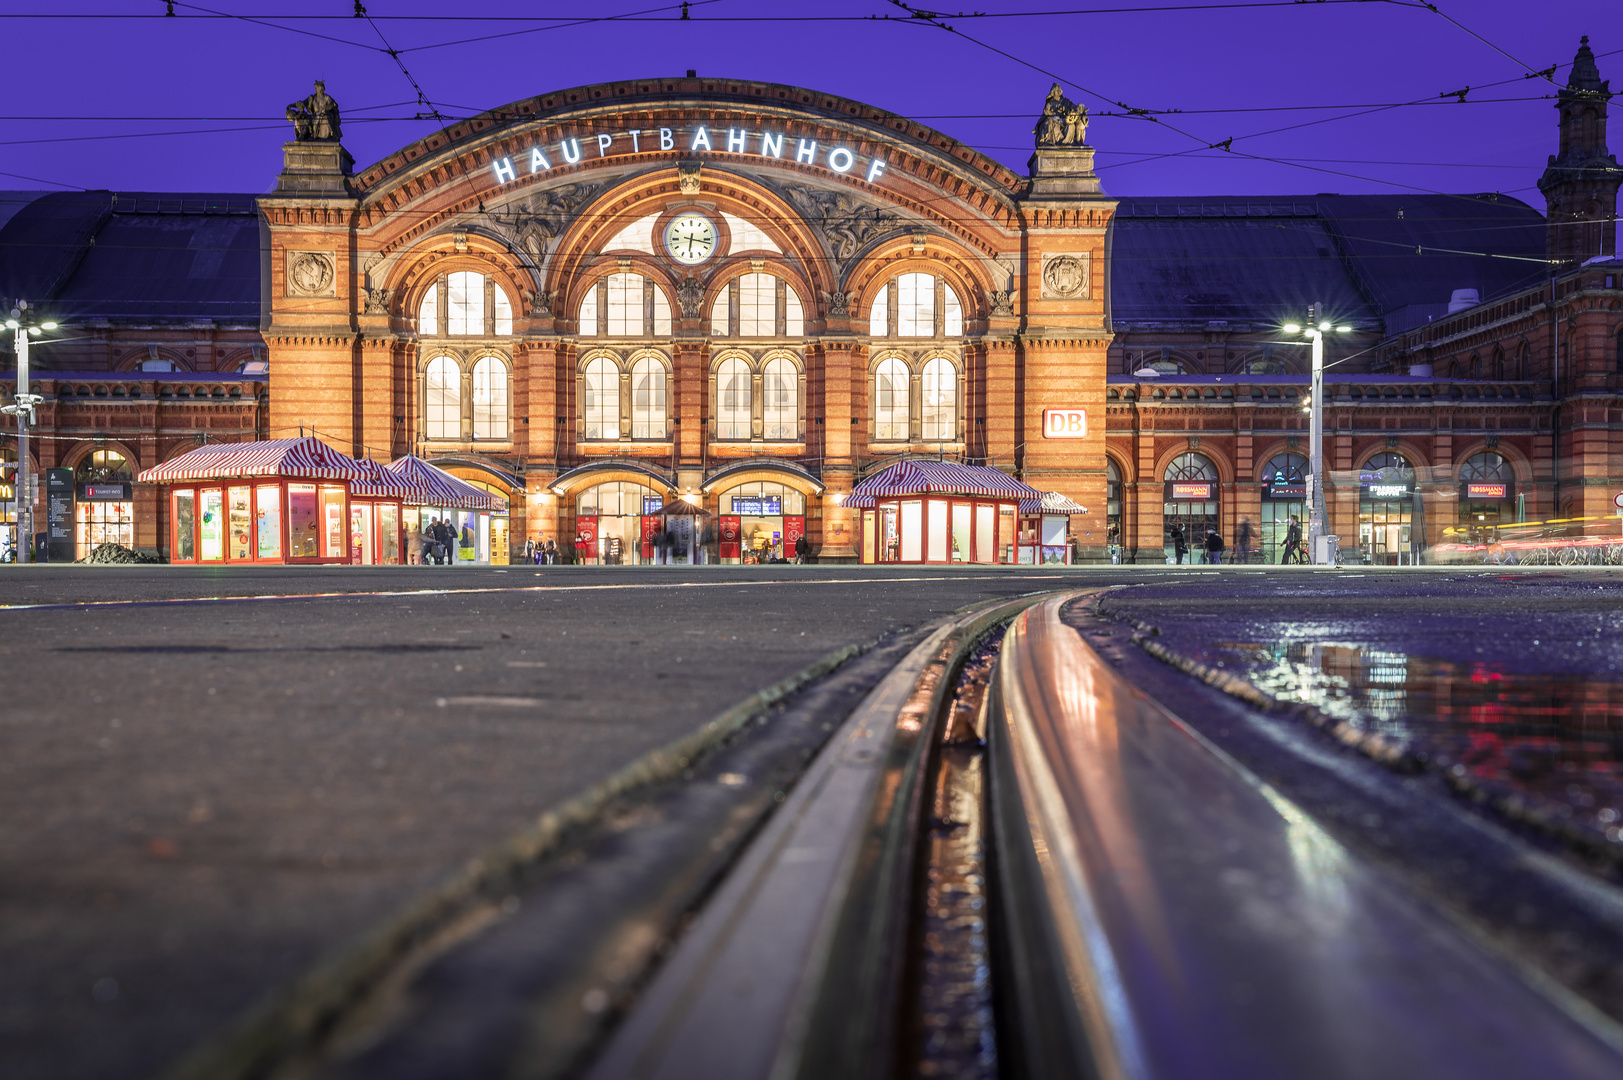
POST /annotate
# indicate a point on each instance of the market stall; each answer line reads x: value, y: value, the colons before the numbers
x: 939, y: 512
x: 376, y: 528
x: 272, y: 501
x: 477, y: 517
x: 1045, y: 528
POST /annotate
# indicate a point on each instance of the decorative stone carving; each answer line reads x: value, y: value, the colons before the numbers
x: 315, y: 119
x: 1065, y: 277
x: 538, y: 302
x: 459, y: 240
x: 838, y: 304
x: 377, y: 301
x: 311, y: 273
x: 1063, y: 122
x: 919, y: 236
x: 847, y: 223
x: 687, y: 176
x: 1002, y: 302
x: 541, y: 218
x: 690, y: 298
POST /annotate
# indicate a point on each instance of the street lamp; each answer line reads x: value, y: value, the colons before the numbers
x: 1317, y: 326
x: 24, y: 325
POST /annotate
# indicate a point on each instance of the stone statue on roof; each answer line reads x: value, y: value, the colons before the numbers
x: 1063, y: 122
x: 315, y: 119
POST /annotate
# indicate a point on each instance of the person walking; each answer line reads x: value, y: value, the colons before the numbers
x: 1293, y: 542
x: 1242, y: 541
x: 426, y: 544
x: 552, y: 551
x: 802, y: 549
x: 1180, y: 546
x: 1214, y: 547
x: 529, y: 549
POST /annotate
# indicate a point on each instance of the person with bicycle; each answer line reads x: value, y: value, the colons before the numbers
x: 1293, y: 542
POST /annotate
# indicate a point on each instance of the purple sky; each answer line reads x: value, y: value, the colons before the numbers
x: 85, y: 101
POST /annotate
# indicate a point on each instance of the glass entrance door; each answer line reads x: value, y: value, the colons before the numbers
x: 1383, y: 531
x: 1276, y: 521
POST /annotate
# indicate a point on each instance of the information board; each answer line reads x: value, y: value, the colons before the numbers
x: 758, y: 505
x: 59, y: 503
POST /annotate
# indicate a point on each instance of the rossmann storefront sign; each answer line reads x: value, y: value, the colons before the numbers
x: 694, y: 139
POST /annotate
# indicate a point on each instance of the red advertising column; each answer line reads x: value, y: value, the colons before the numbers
x: 650, y: 529
x: 730, y: 529
x: 793, y: 529
x: 585, y: 538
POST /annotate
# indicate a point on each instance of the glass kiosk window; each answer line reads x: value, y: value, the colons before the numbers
x: 185, y: 526
x: 268, y: 521
x: 211, y: 534
x: 303, y: 522
x: 239, y: 522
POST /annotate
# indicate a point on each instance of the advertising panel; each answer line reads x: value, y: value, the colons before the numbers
x: 793, y: 529
x: 1202, y: 491
x: 731, y: 530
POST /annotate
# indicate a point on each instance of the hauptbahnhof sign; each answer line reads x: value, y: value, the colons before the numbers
x: 694, y: 139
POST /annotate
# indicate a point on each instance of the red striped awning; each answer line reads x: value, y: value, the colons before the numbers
x: 307, y: 457
x: 433, y: 486
x: 1052, y: 502
x: 380, y: 483
x: 939, y: 477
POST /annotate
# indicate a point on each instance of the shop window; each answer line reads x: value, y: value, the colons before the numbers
x: 185, y: 518
x: 490, y: 399
x: 616, y: 522
x: 1191, y: 516
x: 916, y: 305
x: 733, y: 399
x: 890, y: 400
x: 602, y: 399
x: 780, y: 405
x: 444, y: 398
x: 940, y: 401
x: 648, y: 385
x: 756, y: 305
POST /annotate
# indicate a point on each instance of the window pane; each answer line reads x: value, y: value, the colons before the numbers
x: 504, y: 314
x: 747, y: 237
x: 638, y: 236
x: 953, y: 315
x: 662, y: 313
x: 602, y: 399
x: 718, y: 314
x: 780, y: 404
x: 490, y: 399
x: 733, y: 406
x: 940, y: 392
x: 890, y: 400
x: 794, y: 322
x: 625, y: 305
x: 648, y: 399
x: 757, y: 305
x: 428, y: 314
x: 915, y: 305
x: 879, y: 314
x: 444, y: 398
x: 588, y: 313
x: 465, y: 303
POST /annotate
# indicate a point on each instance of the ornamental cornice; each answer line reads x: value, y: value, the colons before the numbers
x: 292, y: 339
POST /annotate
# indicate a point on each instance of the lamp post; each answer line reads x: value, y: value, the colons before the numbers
x: 23, y: 325
x: 1315, y: 329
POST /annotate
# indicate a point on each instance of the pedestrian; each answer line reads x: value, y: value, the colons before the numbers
x: 1293, y: 542
x: 552, y: 551
x: 1214, y: 547
x: 1242, y: 541
x: 1180, y: 546
x: 802, y: 549
x: 529, y: 549
x: 425, y: 545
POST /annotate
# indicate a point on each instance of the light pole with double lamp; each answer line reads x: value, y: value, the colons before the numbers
x: 1314, y: 330
x: 23, y: 323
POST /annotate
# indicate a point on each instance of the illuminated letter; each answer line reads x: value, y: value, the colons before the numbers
x: 700, y: 135
x: 566, y: 147
x: 807, y: 152
x: 875, y: 170
x: 603, y: 144
x: 634, y: 133
x: 538, y: 160
x: 504, y: 170
x: 772, y: 144
x: 838, y: 154
x: 735, y: 141
x: 666, y: 142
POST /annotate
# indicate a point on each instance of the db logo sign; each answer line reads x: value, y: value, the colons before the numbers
x: 1065, y: 423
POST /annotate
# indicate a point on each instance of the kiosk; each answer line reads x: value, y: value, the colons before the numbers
x: 939, y: 512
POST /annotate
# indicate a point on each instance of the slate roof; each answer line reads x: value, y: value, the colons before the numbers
x: 141, y: 256
x: 1190, y: 261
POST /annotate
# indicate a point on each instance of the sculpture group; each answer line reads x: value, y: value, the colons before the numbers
x: 1063, y: 122
x: 315, y: 119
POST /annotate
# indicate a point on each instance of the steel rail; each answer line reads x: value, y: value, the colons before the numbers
x: 1162, y: 913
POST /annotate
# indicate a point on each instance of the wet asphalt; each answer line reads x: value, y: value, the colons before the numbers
x: 209, y: 780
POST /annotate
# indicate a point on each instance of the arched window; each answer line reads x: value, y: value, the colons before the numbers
x: 916, y: 305
x: 1286, y: 470
x: 1524, y: 359
x: 102, y: 467
x: 1190, y: 466
x: 940, y: 420
x: 890, y: 400
x: 733, y: 399
x: 625, y: 296
x: 1387, y: 465
x: 1487, y: 467
x: 952, y: 318
x: 465, y: 304
x: 1497, y: 370
x: 648, y: 399
x: 879, y: 314
x: 588, y: 313
x: 624, y: 306
x: 490, y: 399
x: 444, y: 398
x: 780, y: 404
x: 602, y: 399
x: 428, y: 312
x: 757, y: 305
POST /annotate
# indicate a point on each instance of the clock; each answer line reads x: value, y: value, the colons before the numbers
x: 690, y: 238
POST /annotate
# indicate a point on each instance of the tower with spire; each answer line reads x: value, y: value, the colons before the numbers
x: 1581, y: 181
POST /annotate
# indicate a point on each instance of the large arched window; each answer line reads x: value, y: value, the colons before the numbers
x: 648, y: 379
x: 102, y: 467
x: 1487, y: 467
x: 444, y: 398
x: 940, y: 401
x: 465, y: 304
x: 780, y: 403
x: 890, y: 400
x: 916, y: 305
x: 757, y: 305
x: 490, y: 399
x: 733, y: 399
x: 1285, y: 470
x: 624, y: 306
x: 602, y: 399
x: 1387, y: 467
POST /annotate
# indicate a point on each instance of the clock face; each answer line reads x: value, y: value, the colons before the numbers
x: 690, y: 238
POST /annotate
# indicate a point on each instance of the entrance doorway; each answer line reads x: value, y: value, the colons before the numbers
x: 1191, y: 504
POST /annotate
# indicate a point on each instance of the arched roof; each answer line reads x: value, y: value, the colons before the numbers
x: 789, y: 469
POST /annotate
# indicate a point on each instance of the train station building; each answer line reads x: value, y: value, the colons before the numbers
x: 754, y: 296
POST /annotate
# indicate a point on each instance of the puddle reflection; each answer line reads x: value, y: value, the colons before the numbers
x: 1557, y: 738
